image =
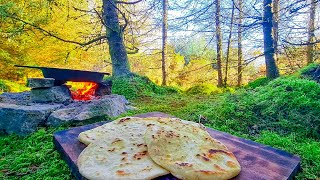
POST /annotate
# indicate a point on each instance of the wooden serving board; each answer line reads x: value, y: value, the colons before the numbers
x: 257, y: 161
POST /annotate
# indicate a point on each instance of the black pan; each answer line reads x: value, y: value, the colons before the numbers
x: 69, y: 74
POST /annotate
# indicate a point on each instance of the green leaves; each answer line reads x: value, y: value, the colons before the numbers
x: 4, y: 9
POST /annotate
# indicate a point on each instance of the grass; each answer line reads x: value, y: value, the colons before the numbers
x: 32, y: 157
x: 283, y: 113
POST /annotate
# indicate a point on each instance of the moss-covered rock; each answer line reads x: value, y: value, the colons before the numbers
x: 136, y: 86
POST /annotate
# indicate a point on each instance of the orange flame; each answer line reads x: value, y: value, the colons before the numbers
x: 82, y: 91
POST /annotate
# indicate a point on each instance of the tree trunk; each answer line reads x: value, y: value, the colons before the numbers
x: 311, y: 35
x: 164, y: 40
x: 117, y: 50
x: 275, y: 23
x: 219, y: 42
x: 240, y: 4
x: 271, y: 67
x: 228, y: 46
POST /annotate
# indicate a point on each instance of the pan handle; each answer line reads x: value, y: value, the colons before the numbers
x: 44, y: 68
x: 33, y: 67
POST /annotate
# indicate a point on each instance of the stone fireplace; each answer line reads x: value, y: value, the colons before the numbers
x: 50, y: 90
x: 51, y: 102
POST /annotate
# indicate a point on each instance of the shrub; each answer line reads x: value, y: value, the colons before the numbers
x: 258, y: 82
x: 285, y: 105
x: 136, y: 86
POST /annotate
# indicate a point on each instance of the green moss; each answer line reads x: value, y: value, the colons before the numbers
x: 285, y: 105
x: 208, y: 89
x: 307, y: 69
x: 138, y: 86
x: 32, y: 157
x: 204, y: 89
x: 258, y: 82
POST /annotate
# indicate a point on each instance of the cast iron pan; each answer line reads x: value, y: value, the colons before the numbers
x: 69, y: 74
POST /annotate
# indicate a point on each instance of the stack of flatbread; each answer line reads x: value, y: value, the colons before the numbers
x: 146, y: 148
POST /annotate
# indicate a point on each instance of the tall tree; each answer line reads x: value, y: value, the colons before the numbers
x: 240, y: 59
x: 229, y: 44
x: 269, y: 54
x: 275, y: 28
x: 164, y: 40
x: 311, y: 35
x: 117, y: 50
x: 108, y: 18
x: 219, y: 42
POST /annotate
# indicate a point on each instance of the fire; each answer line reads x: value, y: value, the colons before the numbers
x: 83, y: 91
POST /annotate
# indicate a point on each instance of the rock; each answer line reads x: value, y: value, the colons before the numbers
x: 111, y: 106
x: 313, y: 73
x: 22, y: 98
x: 104, y: 88
x: 22, y: 120
x: 56, y: 94
x: 40, y: 82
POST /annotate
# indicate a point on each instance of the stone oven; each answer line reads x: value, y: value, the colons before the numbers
x: 58, y: 99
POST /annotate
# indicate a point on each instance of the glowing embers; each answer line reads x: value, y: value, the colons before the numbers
x: 82, y: 91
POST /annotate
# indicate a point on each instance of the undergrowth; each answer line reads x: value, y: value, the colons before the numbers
x: 208, y: 89
x: 283, y: 113
x: 138, y: 86
x: 258, y: 82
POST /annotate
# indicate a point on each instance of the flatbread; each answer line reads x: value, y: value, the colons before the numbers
x: 100, y: 132
x: 87, y: 137
x: 117, y: 151
x: 189, y: 152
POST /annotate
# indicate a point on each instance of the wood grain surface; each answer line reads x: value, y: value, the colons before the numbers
x: 258, y: 162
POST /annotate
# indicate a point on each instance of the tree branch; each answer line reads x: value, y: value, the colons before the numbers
x: 57, y: 37
x: 302, y: 44
x: 123, y: 2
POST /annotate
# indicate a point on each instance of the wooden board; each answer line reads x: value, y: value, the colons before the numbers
x: 257, y: 161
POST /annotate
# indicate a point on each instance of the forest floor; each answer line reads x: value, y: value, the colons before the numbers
x: 283, y: 113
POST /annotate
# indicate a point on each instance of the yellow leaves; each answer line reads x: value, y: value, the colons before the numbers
x: 33, y: 47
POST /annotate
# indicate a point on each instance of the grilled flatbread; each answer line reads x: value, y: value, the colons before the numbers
x: 189, y: 152
x: 117, y: 151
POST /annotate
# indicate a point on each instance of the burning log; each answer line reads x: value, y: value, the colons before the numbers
x: 83, y: 91
x: 104, y: 88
